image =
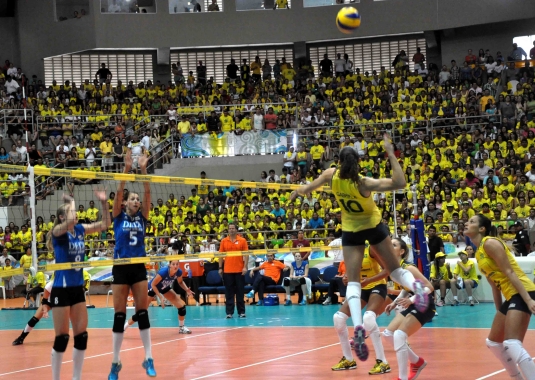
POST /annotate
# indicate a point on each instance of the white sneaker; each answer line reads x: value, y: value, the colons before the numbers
x: 327, y: 301
x: 126, y: 325
x: 184, y: 330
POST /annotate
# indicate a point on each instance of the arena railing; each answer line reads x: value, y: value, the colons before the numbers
x: 468, y: 121
x: 26, y: 117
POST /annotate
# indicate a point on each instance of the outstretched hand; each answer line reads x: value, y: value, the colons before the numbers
x: 101, y: 195
x: 143, y: 160
x: 389, y: 148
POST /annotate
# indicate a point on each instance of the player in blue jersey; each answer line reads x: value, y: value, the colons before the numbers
x: 129, y: 228
x: 67, y: 297
x: 298, y: 277
x: 161, y: 286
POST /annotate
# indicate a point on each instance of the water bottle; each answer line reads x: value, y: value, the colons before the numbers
x: 189, y: 273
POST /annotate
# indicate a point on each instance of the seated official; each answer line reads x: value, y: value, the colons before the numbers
x: 272, y: 273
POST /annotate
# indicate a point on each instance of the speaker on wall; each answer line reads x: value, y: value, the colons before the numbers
x: 163, y: 56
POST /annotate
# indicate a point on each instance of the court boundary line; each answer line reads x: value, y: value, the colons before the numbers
x: 495, y: 373
x: 125, y: 350
x: 266, y: 361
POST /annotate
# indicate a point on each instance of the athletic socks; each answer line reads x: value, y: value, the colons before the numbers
x: 78, y: 362
x: 353, y: 300
x: 340, y: 325
x: 57, y: 359
x: 402, y: 354
x: 403, y: 277
x: 181, y: 323
x: 117, y: 343
x: 370, y: 325
x: 145, y: 338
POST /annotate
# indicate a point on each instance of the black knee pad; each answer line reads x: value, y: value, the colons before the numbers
x: 118, y: 322
x: 32, y: 322
x: 182, y: 311
x: 286, y: 282
x: 135, y: 317
x: 80, y: 341
x: 302, y: 281
x: 60, y: 343
x: 143, y: 319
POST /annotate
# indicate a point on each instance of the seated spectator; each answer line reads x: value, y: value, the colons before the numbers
x: 35, y: 285
x: 298, y: 277
x: 337, y: 284
x: 440, y: 276
x: 8, y: 281
x: 464, y: 277
x: 272, y: 272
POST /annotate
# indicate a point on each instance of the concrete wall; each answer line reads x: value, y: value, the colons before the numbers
x: 498, y: 37
x: 9, y: 43
x: 234, y: 168
x: 41, y: 37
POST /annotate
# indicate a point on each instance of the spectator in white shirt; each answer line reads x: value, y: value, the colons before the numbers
x: 361, y: 146
x: 22, y: 150
x: 146, y: 140
x: 12, y: 70
x: 408, y: 117
x: 171, y: 113
x: 11, y: 86
x: 339, y: 65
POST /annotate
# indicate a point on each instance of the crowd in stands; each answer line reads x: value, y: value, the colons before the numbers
x: 464, y: 135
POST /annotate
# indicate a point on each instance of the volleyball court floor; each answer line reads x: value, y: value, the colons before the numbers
x: 274, y: 342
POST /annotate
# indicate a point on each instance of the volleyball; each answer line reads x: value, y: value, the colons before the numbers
x: 347, y: 20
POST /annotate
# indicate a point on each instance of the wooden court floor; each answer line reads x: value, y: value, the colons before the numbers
x: 272, y: 343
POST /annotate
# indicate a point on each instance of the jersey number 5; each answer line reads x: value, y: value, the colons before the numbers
x: 351, y: 206
x: 133, y: 238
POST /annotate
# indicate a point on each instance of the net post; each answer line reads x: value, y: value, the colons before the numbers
x: 33, y: 217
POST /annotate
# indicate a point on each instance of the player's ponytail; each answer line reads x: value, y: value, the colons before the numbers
x: 61, y: 211
x: 490, y: 230
x: 349, y: 160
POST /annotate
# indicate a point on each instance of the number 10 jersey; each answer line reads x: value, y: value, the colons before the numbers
x: 358, y: 213
x: 129, y: 235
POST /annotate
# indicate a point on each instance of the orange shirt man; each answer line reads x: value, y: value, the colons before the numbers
x: 233, y: 270
x: 272, y: 273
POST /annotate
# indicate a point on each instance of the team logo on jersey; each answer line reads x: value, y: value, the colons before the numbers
x: 80, y: 237
x: 414, y: 312
x: 512, y: 305
x: 375, y: 291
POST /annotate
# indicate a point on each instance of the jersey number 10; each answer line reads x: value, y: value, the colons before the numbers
x: 351, y: 206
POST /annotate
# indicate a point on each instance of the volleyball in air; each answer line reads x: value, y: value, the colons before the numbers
x: 347, y: 20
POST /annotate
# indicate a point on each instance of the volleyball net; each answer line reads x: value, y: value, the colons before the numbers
x: 32, y: 195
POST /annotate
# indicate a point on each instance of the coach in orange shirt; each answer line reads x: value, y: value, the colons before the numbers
x: 233, y: 270
x: 272, y: 273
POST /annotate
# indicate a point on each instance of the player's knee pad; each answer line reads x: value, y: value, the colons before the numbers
x: 80, y: 341
x: 400, y: 340
x: 118, y: 322
x: 182, y: 311
x: 369, y: 321
x: 389, y: 336
x: 286, y: 281
x: 32, y: 322
x: 143, y: 319
x: 513, y: 349
x: 340, y: 320
x: 302, y: 281
x: 61, y: 342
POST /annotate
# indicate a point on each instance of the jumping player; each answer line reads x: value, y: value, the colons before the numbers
x: 129, y: 228
x: 161, y: 286
x: 42, y: 312
x: 361, y: 222
x: 67, y: 297
x: 505, y: 277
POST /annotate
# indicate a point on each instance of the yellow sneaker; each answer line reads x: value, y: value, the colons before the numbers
x: 379, y: 368
x: 344, y: 364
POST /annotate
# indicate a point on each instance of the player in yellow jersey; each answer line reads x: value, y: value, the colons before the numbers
x: 408, y: 321
x: 505, y: 277
x: 361, y: 222
x: 373, y: 297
